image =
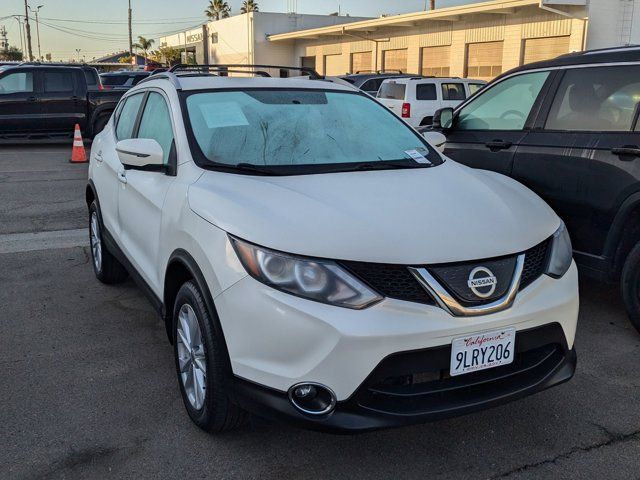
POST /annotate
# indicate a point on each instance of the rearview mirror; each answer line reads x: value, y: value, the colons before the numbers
x: 436, y: 139
x: 140, y: 152
x: 443, y: 118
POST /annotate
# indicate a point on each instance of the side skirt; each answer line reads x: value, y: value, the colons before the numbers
x: 115, y: 250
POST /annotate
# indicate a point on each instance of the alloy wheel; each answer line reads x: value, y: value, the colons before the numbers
x: 191, y: 356
x: 96, y: 243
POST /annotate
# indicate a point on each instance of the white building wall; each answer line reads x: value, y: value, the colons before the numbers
x: 613, y: 23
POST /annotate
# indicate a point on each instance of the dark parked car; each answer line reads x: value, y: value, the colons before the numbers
x: 568, y: 129
x: 370, y: 82
x: 122, y: 80
x: 90, y: 73
x: 43, y: 101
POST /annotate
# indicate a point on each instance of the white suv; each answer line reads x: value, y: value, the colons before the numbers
x: 316, y: 260
x: 416, y: 99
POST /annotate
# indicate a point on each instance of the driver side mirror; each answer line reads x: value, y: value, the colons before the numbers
x: 443, y: 118
x: 436, y: 139
x: 140, y: 153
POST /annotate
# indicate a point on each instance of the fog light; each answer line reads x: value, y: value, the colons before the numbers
x: 312, y: 398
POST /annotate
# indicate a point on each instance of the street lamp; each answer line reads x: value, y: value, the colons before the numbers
x: 37, y: 27
x: 20, y: 33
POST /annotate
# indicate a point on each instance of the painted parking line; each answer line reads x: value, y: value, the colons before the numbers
x: 28, y: 242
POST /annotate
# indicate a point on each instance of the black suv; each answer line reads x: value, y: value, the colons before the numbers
x: 568, y: 129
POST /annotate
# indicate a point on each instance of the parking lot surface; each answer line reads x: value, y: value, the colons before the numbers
x: 88, y: 387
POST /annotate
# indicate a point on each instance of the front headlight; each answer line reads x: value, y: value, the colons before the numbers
x: 320, y: 280
x: 561, y: 253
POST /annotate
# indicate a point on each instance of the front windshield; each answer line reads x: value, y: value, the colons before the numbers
x: 301, y: 128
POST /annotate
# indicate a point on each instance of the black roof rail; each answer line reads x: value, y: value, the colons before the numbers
x: 221, y: 67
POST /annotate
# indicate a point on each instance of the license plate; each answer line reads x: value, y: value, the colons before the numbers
x: 480, y: 351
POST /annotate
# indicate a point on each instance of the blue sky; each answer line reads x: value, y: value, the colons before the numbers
x: 99, y: 27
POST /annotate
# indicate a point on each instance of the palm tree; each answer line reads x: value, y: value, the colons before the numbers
x: 144, y: 44
x: 217, y: 9
x: 249, y: 6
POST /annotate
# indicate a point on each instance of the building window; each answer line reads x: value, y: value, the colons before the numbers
x: 435, y: 61
x: 484, y: 60
x: 214, y: 37
x: 394, y: 60
x: 361, y: 62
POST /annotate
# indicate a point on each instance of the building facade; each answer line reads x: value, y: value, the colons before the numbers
x: 244, y: 38
x: 479, y: 40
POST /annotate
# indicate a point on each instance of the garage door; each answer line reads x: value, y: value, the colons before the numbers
x: 361, y: 62
x: 333, y: 65
x: 395, y: 60
x: 436, y: 61
x: 537, y: 49
x: 484, y: 60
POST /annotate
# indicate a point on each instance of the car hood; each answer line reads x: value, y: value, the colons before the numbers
x: 442, y: 214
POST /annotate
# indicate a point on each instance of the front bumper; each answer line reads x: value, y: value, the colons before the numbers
x: 279, y: 340
x: 391, y: 397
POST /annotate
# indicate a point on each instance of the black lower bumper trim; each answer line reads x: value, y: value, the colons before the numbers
x: 371, y: 408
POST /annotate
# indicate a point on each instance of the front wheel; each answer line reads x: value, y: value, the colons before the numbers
x: 630, y: 285
x: 200, y: 364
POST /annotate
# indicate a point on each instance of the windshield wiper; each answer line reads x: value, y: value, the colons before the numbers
x: 251, y: 167
x: 388, y: 165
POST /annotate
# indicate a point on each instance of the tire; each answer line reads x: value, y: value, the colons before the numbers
x: 100, y: 123
x: 107, y: 269
x: 200, y: 365
x: 630, y: 286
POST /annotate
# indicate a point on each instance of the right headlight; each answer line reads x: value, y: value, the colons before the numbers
x: 561, y: 253
x: 315, y: 279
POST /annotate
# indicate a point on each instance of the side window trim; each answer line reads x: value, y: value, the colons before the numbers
x: 143, y: 105
x: 549, y: 96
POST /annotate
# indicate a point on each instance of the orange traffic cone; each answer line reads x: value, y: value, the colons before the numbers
x: 78, y: 154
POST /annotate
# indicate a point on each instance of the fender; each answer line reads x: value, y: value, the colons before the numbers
x: 99, y: 111
x: 186, y: 260
x: 92, y: 187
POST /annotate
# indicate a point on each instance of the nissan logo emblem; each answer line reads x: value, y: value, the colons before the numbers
x: 482, y: 282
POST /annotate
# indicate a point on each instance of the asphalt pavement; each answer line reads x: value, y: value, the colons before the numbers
x: 88, y: 387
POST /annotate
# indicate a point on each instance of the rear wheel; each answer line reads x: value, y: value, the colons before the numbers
x: 630, y: 285
x: 100, y: 123
x: 105, y: 265
x: 200, y: 364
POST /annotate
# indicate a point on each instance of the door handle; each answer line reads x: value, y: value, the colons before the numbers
x: 122, y: 176
x: 32, y: 99
x: 626, y: 151
x: 98, y: 156
x: 495, y: 145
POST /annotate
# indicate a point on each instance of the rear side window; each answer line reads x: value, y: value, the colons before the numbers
x: 127, y: 117
x: 392, y: 91
x: 18, y: 82
x: 596, y: 99
x: 58, y: 82
x: 372, y: 85
x: 91, y: 77
x: 474, y: 87
x: 505, y: 106
x: 156, y: 123
x: 114, y: 80
x: 426, y: 91
x: 453, y: 91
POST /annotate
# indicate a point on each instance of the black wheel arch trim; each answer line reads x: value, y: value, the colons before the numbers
x: 620, y: 222
x: 187, y: 261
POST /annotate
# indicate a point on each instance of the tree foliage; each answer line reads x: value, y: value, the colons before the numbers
x: 249, y: 6
x: 217, y: 9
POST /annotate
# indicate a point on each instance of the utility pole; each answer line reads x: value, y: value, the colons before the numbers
x: 130, y: 33
x: 26, y: 20
x: 38, y: 28
x: 432, y: 4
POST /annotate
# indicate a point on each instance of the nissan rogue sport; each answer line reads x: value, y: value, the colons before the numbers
x: 316, y: 260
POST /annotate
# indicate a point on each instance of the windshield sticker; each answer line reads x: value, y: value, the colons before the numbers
x: 417, y: 156
x: 223, y: 114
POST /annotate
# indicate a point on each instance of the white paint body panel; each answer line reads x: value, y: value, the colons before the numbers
x: 442, y: 214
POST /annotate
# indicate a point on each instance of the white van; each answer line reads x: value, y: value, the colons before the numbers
x: 416, y: 99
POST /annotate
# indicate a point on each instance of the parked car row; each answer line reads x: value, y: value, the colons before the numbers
x: 316, y: 260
